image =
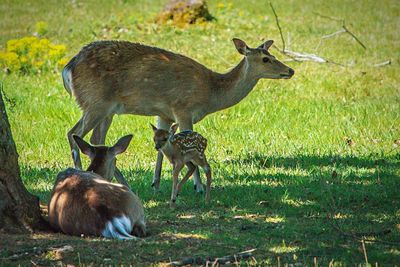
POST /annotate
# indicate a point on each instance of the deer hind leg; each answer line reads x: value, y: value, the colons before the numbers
x: 82, y: 127
x: 191, y: 169
x: 161, y: 124
x: 100, y: 131
x: 187, y: 124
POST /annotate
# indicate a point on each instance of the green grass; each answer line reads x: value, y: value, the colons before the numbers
x: 285, y: 180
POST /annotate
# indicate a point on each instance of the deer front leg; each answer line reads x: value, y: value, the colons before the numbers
x: 175, y: 175
x: 187, y: 124
x: 161, y: 124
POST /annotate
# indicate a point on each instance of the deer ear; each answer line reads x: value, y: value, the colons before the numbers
x: 241, y: 46
x: 153, y: 127
x: 85, y: 147
x: 267, y: 44
x: 173, y: 128
x: 121, y: 145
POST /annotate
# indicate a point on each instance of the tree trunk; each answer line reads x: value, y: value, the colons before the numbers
x: 19, y: 210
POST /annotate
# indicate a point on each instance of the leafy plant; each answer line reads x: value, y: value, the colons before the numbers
x: 32, y: 55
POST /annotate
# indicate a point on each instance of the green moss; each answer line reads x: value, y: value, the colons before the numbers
x: 183, y: 13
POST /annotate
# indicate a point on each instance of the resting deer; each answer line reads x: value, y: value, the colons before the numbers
x: 120, y: 77
x: 84, y: 202
x: 185, y: 148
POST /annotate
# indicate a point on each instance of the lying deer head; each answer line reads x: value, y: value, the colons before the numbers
x: 102, y: 158
x: 261, y: 62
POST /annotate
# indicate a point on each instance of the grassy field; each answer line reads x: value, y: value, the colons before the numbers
x: 304, y: 169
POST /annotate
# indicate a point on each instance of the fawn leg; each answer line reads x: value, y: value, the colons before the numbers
x: 202, y: 161
x: 175, y: 175
x: 185, y: 123
x: 191, y: 168
x: 207, y: 170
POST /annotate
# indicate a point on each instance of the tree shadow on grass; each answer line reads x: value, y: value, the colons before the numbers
x: 309, y: 161
x: 292, y: 215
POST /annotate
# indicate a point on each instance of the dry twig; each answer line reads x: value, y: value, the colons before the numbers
x: 279, y: 26
x: 384, y: 63
x: 297, y: 56
x: 365, y: 252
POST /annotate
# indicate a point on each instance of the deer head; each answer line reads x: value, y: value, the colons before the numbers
x: 102, y: 158
x: 161, y: 136
x: 261, y: 62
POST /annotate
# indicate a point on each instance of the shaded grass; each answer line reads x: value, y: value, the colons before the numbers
x: 285, y: 179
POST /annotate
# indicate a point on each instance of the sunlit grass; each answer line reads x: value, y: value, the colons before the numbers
x: 284, y: 172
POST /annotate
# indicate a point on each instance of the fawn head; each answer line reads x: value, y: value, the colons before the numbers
x: 161, y: 136
x: 262, y: 63
x: 102, y: 158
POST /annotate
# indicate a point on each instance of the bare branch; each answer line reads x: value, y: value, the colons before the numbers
x: 327, y: 17
x: 334, y: 34
x: 279, y: 27
x: 355, y: 37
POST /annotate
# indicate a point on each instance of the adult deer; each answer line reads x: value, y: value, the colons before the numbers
x: 120, y: 77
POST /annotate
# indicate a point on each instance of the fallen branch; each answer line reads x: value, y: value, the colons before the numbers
x: 305, y: 57
x: 296, y: 56
x: 334, y: 34
x: 206, y: 261
x: 385, y: 63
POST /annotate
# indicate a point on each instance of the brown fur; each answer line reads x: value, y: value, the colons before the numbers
x: 185, y: 148
x: 120, y: 77
x: 82, y: 202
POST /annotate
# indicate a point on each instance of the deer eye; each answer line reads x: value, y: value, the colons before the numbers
x: 265, y: 59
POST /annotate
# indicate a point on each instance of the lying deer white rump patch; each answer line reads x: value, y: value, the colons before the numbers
x: 119, y: 228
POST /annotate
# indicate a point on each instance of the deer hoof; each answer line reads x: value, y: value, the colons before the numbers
x: 199, y: 188
x: 156, y: 186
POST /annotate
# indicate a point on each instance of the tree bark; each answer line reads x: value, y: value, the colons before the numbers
x: 19, y: 210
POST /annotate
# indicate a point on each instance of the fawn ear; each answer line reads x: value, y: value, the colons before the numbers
x: 173, y: 128
x: 266, y: 45
x: 241, y: 46
x: 85, y: 147
x: 121, y: 145
x: 153, y: 127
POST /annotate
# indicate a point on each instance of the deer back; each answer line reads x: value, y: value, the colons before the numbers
x: 134, y: 78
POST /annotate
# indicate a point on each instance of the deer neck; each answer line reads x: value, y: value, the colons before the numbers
x: 233, y: 86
